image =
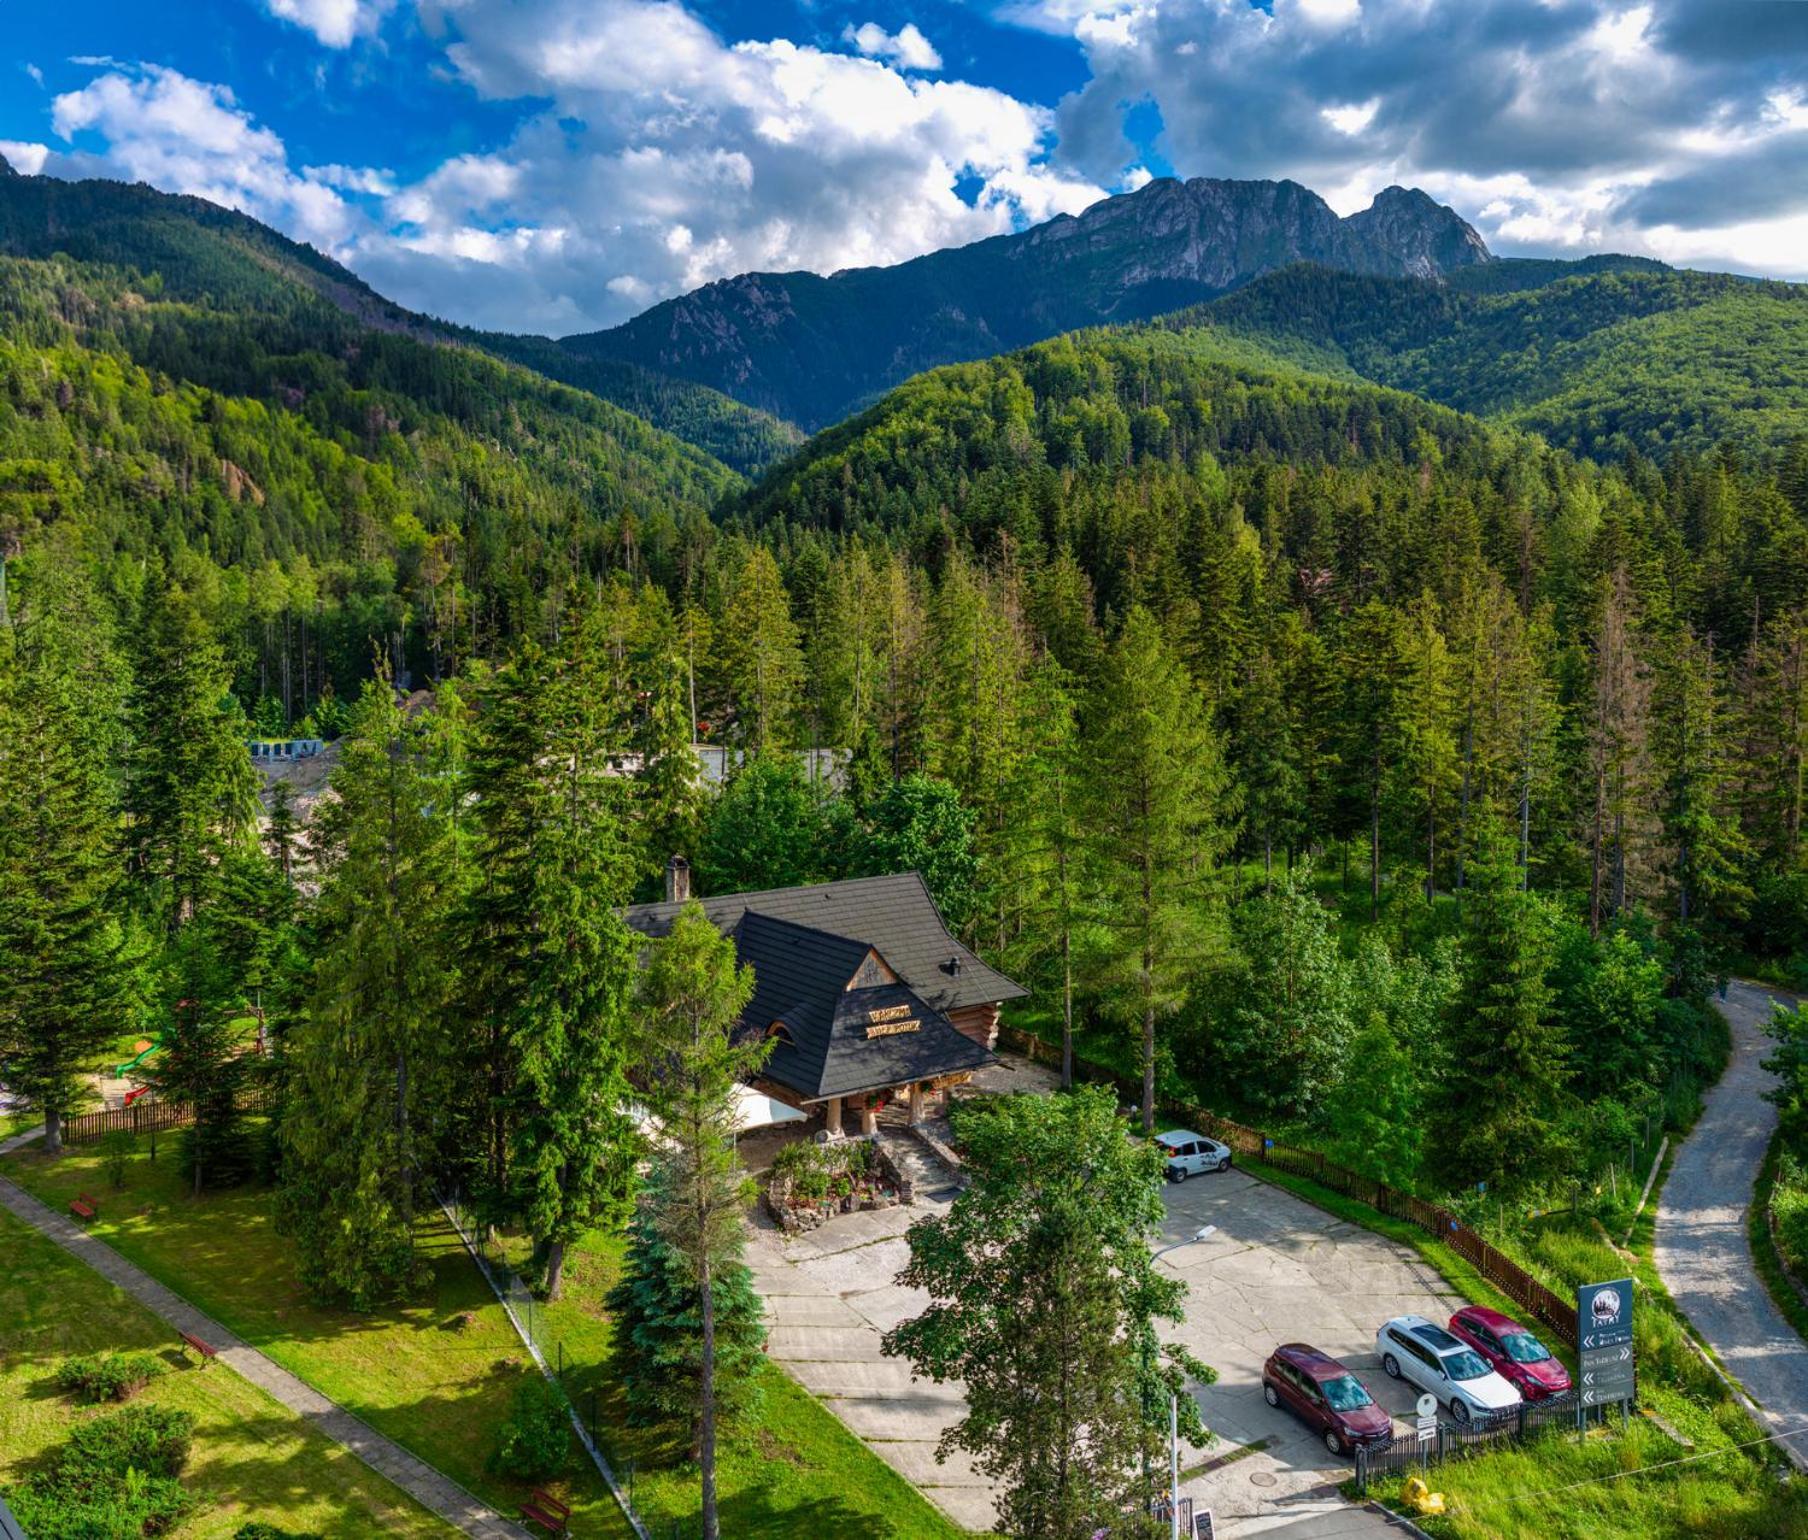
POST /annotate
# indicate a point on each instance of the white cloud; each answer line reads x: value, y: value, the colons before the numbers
x: 1351, y: 119
x: 907, y: 48
x: 36, y: 74
x: 188, y: 136
x: 24, y: 157
x: 336, y: 23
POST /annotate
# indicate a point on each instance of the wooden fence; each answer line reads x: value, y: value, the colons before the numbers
x: 147, y: 1115
x: 1546, y: 1304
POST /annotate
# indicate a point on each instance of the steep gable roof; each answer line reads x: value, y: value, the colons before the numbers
x: 893, y: 914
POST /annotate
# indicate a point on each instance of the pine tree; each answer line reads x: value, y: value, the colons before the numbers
x: 687, y: 1006
x: 282, y: 830
x: 65, y: 981
x: 1158, y: 812
x: 549, y: 959
x: 1618, y: 755
x: 1507, y: 1052
x: 368, y: 1063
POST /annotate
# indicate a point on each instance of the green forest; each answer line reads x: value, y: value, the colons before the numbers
x: 1383, y: 721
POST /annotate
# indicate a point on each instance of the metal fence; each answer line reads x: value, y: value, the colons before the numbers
x: 1530, y: 1419
x: 1544, y: 1304
x: 149, y: 1115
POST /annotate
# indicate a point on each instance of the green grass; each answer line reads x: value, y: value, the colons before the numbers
x: 1764, y: 1245
x: 252, y: 1459
x: 787, y: 1471
x: 412, y: 1371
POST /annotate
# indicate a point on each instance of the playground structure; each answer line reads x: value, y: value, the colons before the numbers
x: 142, y: 1050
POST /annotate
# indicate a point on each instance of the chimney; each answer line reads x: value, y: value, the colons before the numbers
x: 677, y: 880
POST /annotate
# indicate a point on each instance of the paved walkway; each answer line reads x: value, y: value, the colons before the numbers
x: 421, y: 1481
x: 1702, y: 1251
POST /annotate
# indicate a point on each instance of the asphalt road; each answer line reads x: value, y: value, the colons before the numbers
x: 1702, y: 1251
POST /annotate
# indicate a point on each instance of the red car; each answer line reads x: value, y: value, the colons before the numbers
x: 1512, y: 1352
x: 1317, y: 1388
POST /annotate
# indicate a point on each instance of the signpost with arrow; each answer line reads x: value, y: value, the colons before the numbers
x: 1604, y: 1334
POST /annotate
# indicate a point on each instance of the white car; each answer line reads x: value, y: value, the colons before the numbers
x: 1413, y: 1348
x: 1188, y: 1154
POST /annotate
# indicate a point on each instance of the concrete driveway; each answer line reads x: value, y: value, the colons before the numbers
x: 1277, y: 1270
x: 1702, y: 1252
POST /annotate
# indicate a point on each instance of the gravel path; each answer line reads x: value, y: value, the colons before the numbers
x: 1702, y: 1251
x: 429, y: 1487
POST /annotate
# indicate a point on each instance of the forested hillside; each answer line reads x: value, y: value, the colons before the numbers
x: 1603, y: 357
x: 198, y: 252
x: 323, y: 487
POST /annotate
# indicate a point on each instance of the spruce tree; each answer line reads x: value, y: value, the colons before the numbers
x: 687, y: 1006
x: 670, y: 797
x: 762, y: 660
x: 549, y: 959
x: 369, y: 1061
x: 1158, y: 811
x: 1507, y: 1065
x: 65, y: 981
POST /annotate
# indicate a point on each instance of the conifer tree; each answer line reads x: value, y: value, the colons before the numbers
x: 549, y: 959
x: 1158, y: 813
x: 687, y: 1005
x: 669, y: 795
x: 369, y: 1061
x: 1506, y: 1070
x: 762, y: 660
x: 191, y: 789
x: 66, y: 986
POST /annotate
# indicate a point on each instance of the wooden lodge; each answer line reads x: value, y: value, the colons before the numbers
x: 868, y: 997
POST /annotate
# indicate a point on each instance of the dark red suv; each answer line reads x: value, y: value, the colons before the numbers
x: 1317, y: 1388
x: 1512, y: 1352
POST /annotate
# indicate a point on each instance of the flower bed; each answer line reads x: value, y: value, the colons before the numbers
x: 813, y: 1182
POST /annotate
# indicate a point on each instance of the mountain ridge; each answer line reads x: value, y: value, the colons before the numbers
x: 810, y: 349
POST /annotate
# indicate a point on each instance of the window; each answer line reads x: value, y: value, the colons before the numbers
x: 1466, y: 1365
x: 1345, y: 1393
x: 1438, y: 1337
x: 1483, y: 1336
x: 1524, y: 1348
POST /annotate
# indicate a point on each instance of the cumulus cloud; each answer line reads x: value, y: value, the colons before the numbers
x: 1566, y: 125
x: 907, y: 48
x: 336, y: 23
x: 188, y: 136
x: 669, y: 157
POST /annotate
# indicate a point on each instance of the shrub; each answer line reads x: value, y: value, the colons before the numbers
x: 109, y: 1376
x: 153, y: 1440
x: 258, y: 1530
x: 116, y: 1148
x: 121, y: 1507
x: 537, y: 1435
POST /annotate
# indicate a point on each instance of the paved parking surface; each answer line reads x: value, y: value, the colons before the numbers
x: 1277, y: 1270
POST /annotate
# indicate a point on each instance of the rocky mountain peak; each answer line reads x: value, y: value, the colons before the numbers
x: 6, y: 167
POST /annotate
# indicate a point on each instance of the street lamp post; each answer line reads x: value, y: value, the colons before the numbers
x: 1202, y: 1233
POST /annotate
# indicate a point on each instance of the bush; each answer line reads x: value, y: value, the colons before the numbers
x: 118, y: 1147
x: 108, y: 1508
x: 258, y: 1530
x: 109, y: 1376
x: 537, y: 1435
x: 153, y: 1440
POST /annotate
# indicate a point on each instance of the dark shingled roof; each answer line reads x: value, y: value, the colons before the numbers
x: 800, y: 982
x: 895, y: 915
x: 805, y: 946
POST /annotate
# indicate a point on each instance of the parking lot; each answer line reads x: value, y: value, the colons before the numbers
x: 1276, y: 1270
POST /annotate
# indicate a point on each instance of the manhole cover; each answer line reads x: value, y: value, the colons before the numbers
x: 1261, y: 1478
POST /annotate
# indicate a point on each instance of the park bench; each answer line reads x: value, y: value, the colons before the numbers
x: 206, y: 1349
x: 84, y: 1207
x: 545, y: 1509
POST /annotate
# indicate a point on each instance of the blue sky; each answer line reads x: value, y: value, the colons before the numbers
x: 557, y: 165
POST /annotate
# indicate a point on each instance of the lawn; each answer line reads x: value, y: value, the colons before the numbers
x: 252, y: 1459
x: 436, y: 1375
x: 788, y: 1471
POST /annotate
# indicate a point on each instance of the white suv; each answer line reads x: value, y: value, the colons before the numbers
x: 1189, y: 1154
x: 1411, y: 1347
